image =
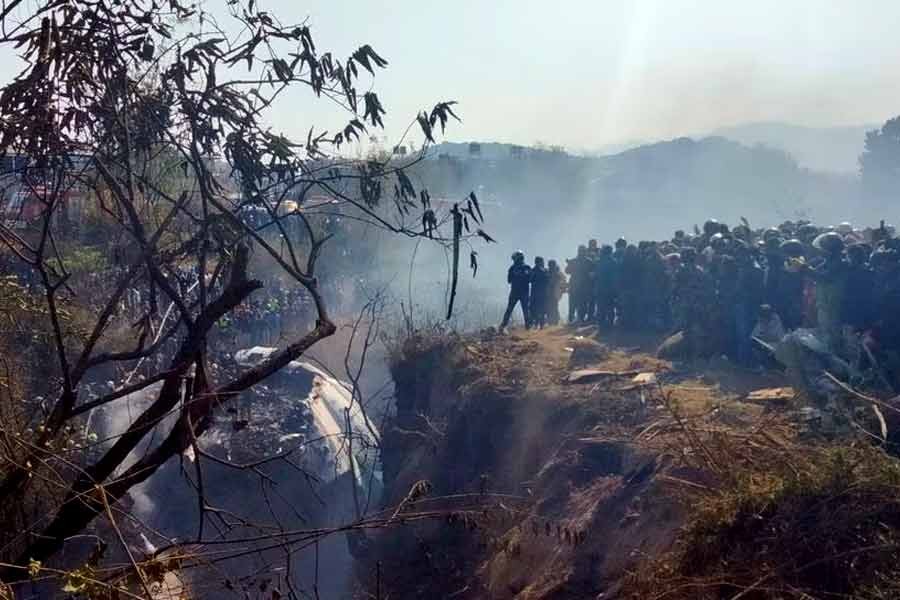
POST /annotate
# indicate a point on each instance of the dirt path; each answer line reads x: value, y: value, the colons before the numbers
x: 547, y: 357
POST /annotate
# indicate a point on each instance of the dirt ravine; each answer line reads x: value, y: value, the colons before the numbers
x: 548, y: 488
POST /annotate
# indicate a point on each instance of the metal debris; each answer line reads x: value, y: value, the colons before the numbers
x: 776, y: 395
x: 592, y: 375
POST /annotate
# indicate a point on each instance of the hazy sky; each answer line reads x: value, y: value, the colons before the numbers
x: 588, y: 73
x: 593, y: 72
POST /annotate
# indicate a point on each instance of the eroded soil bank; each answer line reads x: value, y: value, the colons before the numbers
x: 514, y: 482
x: 567, y: 464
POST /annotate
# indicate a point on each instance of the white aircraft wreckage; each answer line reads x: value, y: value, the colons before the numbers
x: 301, y: 413
x: 339, y: 430
x: 324, y: 468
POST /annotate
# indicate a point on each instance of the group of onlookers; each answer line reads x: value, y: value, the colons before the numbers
x: 723, y: 287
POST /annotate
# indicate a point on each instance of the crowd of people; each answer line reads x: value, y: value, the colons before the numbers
x: 724, y: 287
x: 267, y: 319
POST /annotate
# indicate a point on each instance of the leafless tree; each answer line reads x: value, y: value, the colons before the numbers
x: 156, y: 113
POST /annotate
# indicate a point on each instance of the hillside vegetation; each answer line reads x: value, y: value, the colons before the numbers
x: 554, y: 487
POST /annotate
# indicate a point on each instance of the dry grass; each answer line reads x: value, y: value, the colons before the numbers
x: 771, y: 517
x: 768, y: 515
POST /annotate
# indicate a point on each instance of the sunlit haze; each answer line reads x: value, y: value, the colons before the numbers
x: 591, y: 73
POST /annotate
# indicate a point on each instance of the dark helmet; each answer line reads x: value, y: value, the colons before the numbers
x: 883, y: 257
x: 858, y: 253
x: 808, y: 231
x: 830, y: 242
x: 621, y: 243
x: 710, y: 227
x: 773, y: 242
x: 606, y: 250
x: 793, y: 248
x: 518, y: 256
x: 864, y: 247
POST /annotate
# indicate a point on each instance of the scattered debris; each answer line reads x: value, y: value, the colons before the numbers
x: 592, y: 375
x: 645, y: 378
x: 645, y: 383
x: 779, y: 395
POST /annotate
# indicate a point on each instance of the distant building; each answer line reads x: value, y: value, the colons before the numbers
x: 26, y: 188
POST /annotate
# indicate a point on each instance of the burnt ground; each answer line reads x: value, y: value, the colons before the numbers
x: 537, y: 487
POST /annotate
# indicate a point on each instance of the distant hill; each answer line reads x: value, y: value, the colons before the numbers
x: 688, y: 179
x: 828, y: 149
x: 833, y: 149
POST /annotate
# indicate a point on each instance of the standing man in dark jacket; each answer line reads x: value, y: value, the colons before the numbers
x: 605, y: 271
x: 787, y: 295
x: 557, y: 288
x: 693, y: 295
x: 751, y: 290
x: 519, y: 279
x: 831, y: 287
x: 858, y: 306
x: 629, y: 288
x: 540, y: 285
x: 579, y: 270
